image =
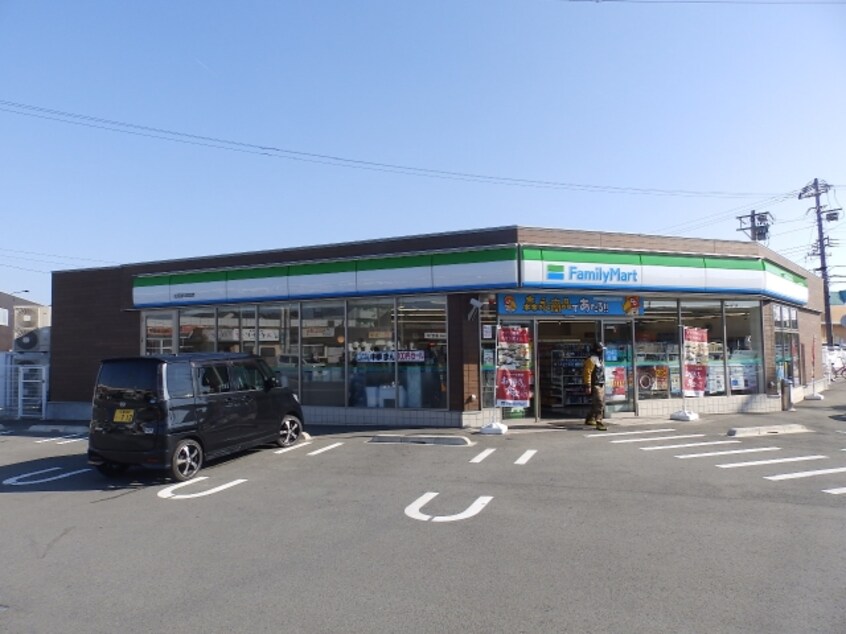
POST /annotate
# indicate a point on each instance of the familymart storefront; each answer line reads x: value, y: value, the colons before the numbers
x: 461, y: 338
x: 679, y: 331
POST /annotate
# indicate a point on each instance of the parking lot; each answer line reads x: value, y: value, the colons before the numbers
x: 673, y: 527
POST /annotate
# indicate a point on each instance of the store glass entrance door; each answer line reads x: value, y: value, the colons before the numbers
x: 619, y: 374
x: 563, y: 347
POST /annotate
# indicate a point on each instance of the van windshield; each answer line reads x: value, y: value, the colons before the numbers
x: 128, y: 379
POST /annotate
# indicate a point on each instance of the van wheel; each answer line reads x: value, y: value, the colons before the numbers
x: 186, y: 461
x: 112, y: 469
x: 290, y: 431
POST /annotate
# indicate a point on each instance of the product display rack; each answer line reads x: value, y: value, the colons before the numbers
x: 567, y: 361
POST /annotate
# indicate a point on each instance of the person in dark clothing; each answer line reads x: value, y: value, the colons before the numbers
x: 593, y: 375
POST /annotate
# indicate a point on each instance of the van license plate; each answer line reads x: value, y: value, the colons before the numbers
x: 123, y: 415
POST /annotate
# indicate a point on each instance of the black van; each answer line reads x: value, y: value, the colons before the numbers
x: 173, y: 412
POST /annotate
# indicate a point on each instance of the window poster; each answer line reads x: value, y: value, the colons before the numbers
x: 514, y: 374
x: 615, y: 383
x: 695, y: 361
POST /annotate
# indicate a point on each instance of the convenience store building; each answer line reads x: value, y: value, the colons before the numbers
x: 459, y: 329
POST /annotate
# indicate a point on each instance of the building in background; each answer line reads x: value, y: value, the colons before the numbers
x: 24, y: 357
x: 462, y: 328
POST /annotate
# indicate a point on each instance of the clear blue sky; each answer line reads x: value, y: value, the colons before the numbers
x: 622, y: 97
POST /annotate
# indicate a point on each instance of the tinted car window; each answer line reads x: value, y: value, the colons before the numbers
x: 214, y: 379
x: 247, y: 376
x: 179, y: 381
x: 135, y: 379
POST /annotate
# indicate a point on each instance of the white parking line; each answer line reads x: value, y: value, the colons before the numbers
x: 38, y: 442
x: 317, y: 451
x: 65, y: 442
x: 483, y: 455
x: 835, y: 491
x: 690, y: 444
x: 659, y: 438
x: 805, y: 474
x: 292, y: 447
x: 755, y: 463
x: 526, y: 456
x: 627, y: 433
x: 710, y: 454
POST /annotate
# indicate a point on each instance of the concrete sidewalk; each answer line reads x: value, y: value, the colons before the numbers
x: 832, y: 406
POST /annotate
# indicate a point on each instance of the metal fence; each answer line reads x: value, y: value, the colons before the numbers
x: 23, y: 391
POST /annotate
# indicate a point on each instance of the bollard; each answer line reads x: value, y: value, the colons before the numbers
x: 786, y: 400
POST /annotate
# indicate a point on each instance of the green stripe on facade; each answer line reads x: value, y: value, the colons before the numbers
x: 672, y: 260
x: 322, y: 268
x: 599, y: 257
x: 257, y: 274
x: 153, y: 280
x: 381, y: 264
x: 476, y: 257
x: 734, y: 263
x: 198, y: 278
x: 775, y: 269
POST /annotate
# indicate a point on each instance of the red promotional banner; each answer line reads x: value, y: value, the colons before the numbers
x: 513, y: 387
x: 695, y: 361
x: 514, y: 375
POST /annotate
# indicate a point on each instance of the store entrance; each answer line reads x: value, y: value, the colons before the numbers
x: 562, y: 349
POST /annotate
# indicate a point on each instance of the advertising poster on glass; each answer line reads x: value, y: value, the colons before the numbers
x: 616, y: 383
x: 514, y: 373
x: 695, y: 361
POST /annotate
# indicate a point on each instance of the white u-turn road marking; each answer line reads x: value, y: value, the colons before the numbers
x: 16, y: 481
x: 167, y: 493
x: 413, y: 509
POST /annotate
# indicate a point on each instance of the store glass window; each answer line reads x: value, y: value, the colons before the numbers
x: 704, y: 359
x: 372, y: 350
x: 786, y: 344
x: 197, y: 330
x: 236, y: 329
x: 422, y: 351
x: 744, y: 345
x: 322, y: 354
x: 487, y: 324
x: 249, y: 333
x: 158, y: 333
x: 279, y: 342
x: 657, y: 360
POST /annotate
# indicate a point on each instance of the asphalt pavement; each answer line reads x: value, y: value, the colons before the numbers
x: 833, y: 403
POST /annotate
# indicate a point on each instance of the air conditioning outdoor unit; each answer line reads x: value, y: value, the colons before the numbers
x: 32, y: 329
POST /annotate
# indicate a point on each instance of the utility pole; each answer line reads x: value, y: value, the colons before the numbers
x: 759, y: 224
x: 816, y: 189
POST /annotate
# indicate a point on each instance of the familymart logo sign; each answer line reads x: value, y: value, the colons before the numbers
x: 594, y: 274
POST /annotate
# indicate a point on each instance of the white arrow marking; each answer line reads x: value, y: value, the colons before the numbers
x: 413, y: 509
x: 167, y: 493
x: 16, y: 481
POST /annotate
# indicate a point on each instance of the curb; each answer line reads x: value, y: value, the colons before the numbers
x: 422, y: 439
x: 767, y: 430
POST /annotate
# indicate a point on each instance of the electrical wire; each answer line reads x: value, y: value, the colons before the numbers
x: 338, y: 161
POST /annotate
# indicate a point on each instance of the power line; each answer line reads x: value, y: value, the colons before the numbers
x: 339, y: 161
